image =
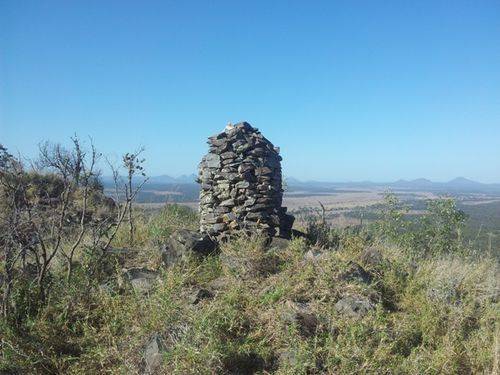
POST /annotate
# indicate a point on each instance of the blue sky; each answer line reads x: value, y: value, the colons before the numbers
x: 350, y: 90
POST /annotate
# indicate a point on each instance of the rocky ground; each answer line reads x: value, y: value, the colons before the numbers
x: 352, y: 303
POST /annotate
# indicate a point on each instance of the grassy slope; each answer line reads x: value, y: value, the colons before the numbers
x: 438, y: 315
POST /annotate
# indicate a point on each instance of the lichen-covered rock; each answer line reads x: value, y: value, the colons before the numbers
x: 241, y: 186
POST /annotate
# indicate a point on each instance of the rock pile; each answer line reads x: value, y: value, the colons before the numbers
x: 241, y: 188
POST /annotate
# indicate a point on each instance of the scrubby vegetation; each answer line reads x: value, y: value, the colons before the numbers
x: 397, y: 296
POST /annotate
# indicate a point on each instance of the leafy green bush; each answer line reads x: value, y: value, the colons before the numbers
x: 437, y: 231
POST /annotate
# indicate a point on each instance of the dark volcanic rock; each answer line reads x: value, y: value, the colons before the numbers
x: 357, y: 273
x: 300, y: 314
x: 141, y: 279
x: 199, y: 295
x: 183, y: 243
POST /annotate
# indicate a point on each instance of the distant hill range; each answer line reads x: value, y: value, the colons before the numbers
x: 157, y: 180
x: 160, y: 189
x: 459, y: 184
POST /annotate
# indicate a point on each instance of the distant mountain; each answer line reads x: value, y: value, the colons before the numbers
x: 463, y: 182
x: 291, y: 181
x: 421, y: 183
x: 165, y: 179
x: 459, y: 184
x: 157, y: 180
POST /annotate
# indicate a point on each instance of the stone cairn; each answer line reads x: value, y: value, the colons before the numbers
x: 241, y: 188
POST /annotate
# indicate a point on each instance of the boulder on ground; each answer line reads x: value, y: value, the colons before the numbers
x: 300, y: 314
x: 372, y: 256
x: 141, y: 279
x: 278, y: 243
x: 184, y: 243
x: 357, y: 273
x: 152, y: 355
x: 200, y: 294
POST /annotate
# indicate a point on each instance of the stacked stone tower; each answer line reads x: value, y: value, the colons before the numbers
x: 241, y: 187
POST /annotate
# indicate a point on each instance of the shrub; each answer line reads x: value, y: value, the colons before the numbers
x: 437, y: 231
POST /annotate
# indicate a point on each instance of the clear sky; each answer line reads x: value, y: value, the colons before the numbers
x: 350, y: 90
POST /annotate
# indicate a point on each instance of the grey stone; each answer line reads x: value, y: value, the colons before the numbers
x: 244, y: 126
x: 242, y: 148
x: 242, y: 168
x: 199, y: 295
x: 152, y: 355
x: 263, y: 171
x: 242, y: 185
x: 227, y: 203
x: 300, y: 314
x: 354, y: 306
x: 141, y: 279
x: 212, y: 161
x: 228, y: 155
x: 230, y: 216
x: 256, y: 215
x: 357, y: 273
x: 183, y: 243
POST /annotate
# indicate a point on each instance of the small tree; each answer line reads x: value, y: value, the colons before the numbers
x: 11, y: 252
x: 442, y: 226
x: 53, y: 209
x: 126, y: 190
x: 437, y: 231
x: 133, y: 165
x: 393, y: 224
